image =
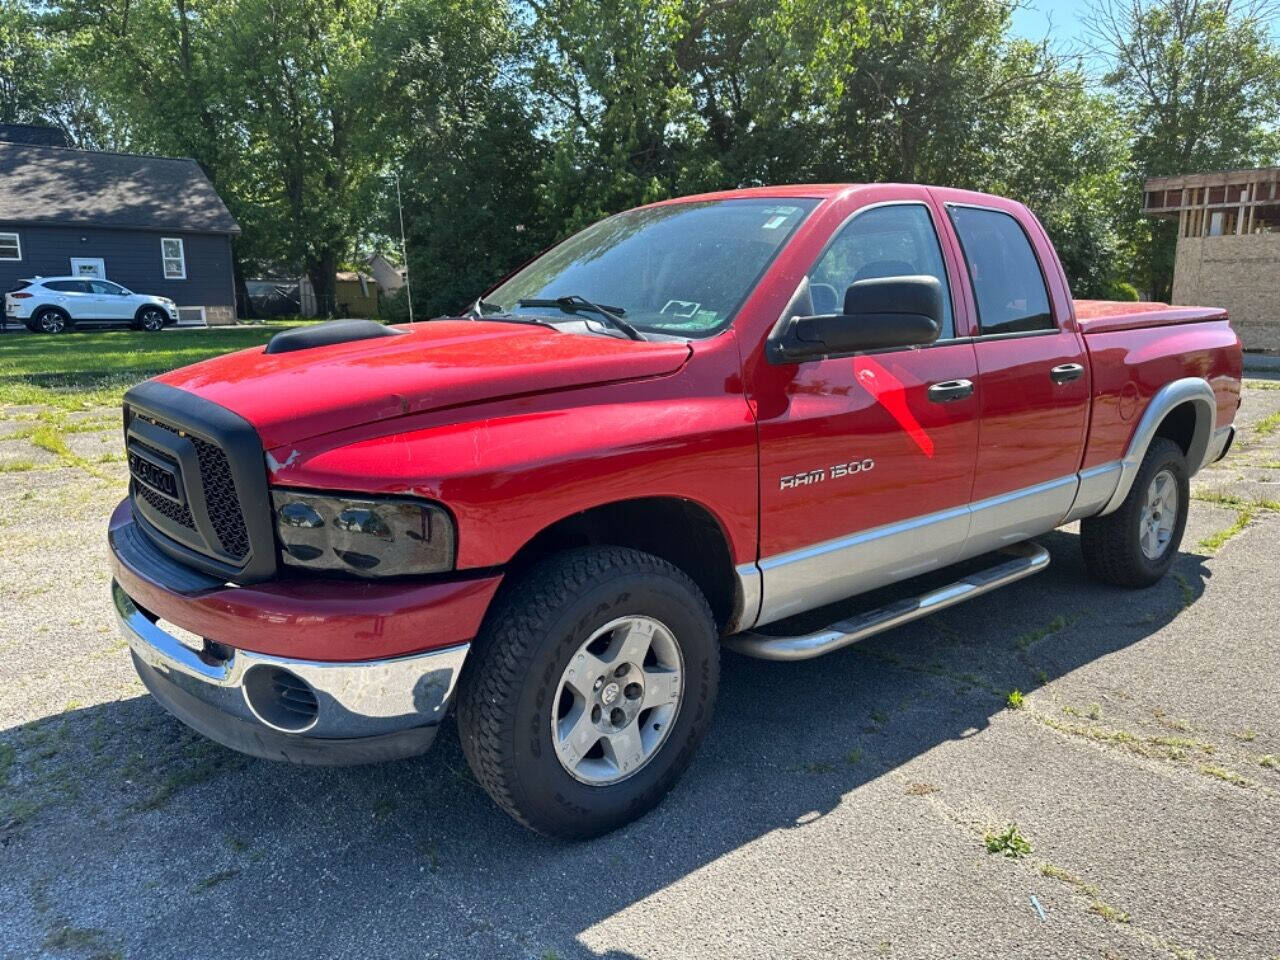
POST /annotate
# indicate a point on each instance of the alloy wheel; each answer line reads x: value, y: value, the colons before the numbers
x: 617, y: 700
x: 1159, y: 515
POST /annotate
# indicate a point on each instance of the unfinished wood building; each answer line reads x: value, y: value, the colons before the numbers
x: 1228, y: 245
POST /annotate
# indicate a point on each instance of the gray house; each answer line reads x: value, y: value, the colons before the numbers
x: 153, y: 224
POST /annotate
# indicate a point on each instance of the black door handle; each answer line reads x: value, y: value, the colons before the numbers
x: 949, y: 390
x: 1066, y: 372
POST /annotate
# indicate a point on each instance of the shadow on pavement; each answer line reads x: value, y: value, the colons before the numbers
x: 412, y: 859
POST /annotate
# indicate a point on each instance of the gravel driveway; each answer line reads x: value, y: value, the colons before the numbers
x: 840, y: 807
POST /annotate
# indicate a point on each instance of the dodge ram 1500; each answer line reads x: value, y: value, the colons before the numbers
x: 670, y: 433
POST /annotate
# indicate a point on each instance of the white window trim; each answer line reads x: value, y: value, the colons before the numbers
x: 17, y: 240
x: 203, y: 316
x: 181, y: 258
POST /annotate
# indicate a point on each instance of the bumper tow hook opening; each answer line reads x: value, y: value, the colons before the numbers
x: 280, y: 698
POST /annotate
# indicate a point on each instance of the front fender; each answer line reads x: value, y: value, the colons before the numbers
x: 508, y: 470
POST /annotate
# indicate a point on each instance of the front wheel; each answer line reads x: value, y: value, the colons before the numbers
x: 151, y: 320
x: 1135, y: 545
x: 593, y: 683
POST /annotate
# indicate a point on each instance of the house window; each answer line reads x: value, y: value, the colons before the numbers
x: 175, y: 262
x: 10, y: 247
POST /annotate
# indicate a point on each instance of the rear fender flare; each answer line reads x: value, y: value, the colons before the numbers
x: 1195, y: 390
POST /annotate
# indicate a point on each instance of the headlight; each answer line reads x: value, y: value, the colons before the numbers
x: 369, y: 537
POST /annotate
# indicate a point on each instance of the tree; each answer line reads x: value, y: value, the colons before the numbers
x: 42, y: 80
x: 1198, y: 82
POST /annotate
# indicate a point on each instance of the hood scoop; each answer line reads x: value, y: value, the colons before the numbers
x: 327, y: 334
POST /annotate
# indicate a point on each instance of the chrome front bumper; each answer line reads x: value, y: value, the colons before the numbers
x: 390, y: 706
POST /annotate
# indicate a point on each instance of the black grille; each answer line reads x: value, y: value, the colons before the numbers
x: 177, y: 512
x: 219, y: 496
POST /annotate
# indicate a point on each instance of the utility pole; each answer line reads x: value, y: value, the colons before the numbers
x: 404, y: 247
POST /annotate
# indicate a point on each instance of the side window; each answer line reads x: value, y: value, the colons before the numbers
x: 104, y: 286
x: 891, y: 241
x: 1006, y: 277
x: 68, y: 286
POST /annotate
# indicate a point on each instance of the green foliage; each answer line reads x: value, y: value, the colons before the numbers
x: 1197, y: 83
x: 512, y: 125
x: 1010, y: 842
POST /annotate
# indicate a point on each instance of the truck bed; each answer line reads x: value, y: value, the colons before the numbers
x: 1105, y: 316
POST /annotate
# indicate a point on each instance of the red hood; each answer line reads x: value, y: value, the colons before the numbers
x: 289, y: 397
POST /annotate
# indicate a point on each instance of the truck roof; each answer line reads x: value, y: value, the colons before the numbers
x: 820, y: 191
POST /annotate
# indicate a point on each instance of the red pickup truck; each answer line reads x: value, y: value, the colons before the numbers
x: 685, y: 423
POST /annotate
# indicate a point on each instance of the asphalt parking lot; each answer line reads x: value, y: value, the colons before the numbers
x: 840, y: 807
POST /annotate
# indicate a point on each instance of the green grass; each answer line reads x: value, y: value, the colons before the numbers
x: 1215, y: 542
x: 75, y: 371
x: 1225, y: 775
x: 1270, y: 761
x: 1031, y: 637
x: 1267, y: 425
x: 1010, y: 843
x: 1014, y: 700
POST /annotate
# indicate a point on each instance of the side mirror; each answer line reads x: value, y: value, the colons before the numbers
x: 879, y: 314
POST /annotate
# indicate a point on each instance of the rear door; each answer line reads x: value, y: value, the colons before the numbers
x: 1033, y: 377
x: 72, y: 296
x: 867, y: 461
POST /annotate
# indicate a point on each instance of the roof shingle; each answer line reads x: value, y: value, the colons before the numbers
x: 60, y: 185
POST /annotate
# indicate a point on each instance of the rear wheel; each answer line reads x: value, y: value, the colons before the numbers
x: 592, y: 685
x: 1135, y: 545
x: 52, y: 320
x: 151, y: 319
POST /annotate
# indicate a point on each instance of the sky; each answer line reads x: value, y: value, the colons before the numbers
x: 1060, y: 20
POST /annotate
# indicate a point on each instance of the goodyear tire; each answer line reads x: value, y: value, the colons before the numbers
x: 1135, y: 545
x: 591, y: 686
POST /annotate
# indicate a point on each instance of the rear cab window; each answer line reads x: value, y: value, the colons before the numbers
x: 1008, y: 284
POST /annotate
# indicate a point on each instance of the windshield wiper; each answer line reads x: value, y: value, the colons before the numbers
x: 574, y: 303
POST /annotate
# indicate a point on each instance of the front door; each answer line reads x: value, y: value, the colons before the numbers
x: 88, y: 267
x: 867, y: 461
x: 1033, y: 379
x: 112, y: 303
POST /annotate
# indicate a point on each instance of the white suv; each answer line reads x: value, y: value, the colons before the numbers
x: 55, y: 304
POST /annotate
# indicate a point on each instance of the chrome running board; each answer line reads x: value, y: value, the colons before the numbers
x: 1025, y: 559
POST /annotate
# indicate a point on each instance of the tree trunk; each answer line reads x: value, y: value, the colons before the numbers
x: 322, y: 272
x: 244, y: 306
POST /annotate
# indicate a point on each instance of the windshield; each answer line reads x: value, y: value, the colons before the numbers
x: 681, y: 269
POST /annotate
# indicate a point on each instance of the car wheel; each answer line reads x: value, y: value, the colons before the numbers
x: 53, y: 321
x: 591, y: 686
x: 151, y: 319
x: 1136, y: 544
